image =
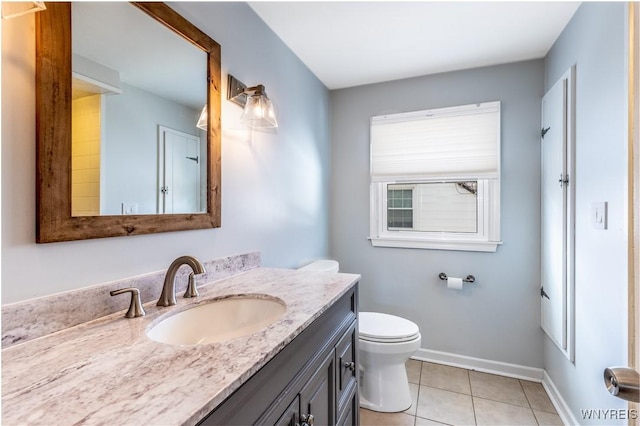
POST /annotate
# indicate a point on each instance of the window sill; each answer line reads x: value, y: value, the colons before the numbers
x: 486, y: 246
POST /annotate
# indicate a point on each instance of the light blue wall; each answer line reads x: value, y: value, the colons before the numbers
x: 274, y: 185
x: 498, y: 317
x: 595, y: 41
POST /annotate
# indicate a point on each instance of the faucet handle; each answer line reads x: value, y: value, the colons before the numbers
x: 135, y: 307
x: 192, y: 288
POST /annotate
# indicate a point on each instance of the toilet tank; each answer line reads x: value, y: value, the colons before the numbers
x: 321, y: 266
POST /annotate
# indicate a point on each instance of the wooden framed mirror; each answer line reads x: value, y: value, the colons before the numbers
x: 55, y: 221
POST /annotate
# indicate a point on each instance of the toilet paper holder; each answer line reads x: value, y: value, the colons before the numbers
x: 468, y: 279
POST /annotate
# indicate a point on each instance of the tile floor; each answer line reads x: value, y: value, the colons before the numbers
x: 455, y: 396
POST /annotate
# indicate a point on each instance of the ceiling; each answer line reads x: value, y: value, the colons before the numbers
x: 349, y: 44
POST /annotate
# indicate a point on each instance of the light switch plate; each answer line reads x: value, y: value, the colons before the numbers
x: 599, y: 215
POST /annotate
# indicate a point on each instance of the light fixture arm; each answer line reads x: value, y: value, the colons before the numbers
x: 255, y: 90
x: 237, y: 91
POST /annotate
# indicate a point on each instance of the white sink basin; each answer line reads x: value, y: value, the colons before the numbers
x: 219, y: 320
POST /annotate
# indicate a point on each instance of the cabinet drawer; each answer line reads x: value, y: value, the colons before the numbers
x: 346, y: 365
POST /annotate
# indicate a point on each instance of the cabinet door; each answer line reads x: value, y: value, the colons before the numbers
x: 346, y: 366
x: 317, y: 398
x: 291, y: 415
x: 350, y: 415
x: 557, y: 214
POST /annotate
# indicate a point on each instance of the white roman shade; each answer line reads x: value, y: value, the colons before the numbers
x: 448, y: 143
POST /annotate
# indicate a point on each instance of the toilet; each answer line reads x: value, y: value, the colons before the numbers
x: 385, y: 344
x: 321, y: 266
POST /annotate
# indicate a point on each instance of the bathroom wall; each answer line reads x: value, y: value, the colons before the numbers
x: 498, y: 317
x: 274, y: 185
x: 595, y: 41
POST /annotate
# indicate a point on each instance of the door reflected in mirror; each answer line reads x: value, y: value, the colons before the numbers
x: 137, y: 93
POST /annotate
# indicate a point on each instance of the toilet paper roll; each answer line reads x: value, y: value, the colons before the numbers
x: 454, y: 283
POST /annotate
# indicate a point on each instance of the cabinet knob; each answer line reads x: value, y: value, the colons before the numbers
x: 350, y: 365
x: 307, y: 420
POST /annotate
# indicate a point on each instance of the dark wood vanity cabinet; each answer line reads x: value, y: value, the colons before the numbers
x: 314, y: 375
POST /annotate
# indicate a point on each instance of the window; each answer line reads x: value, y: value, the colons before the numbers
x: 435, y: 178
x: 399, y: 207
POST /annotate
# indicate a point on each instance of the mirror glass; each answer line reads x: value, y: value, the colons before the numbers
x: 138, y: 90
x: 433, y: 207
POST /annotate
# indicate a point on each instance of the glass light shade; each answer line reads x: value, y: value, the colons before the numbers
x: 258, y: 112
x: 202, y: 121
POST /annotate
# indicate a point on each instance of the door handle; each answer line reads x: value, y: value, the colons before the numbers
x: 623, y: 383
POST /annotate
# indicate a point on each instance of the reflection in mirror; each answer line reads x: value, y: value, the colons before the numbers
x: 433, y: 207
x: 136, y: 99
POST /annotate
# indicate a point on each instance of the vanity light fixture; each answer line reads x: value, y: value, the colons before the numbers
x: 202, y: 121
x: 15, y: 9
x: 258, y: 110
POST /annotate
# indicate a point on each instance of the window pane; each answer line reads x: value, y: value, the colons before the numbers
x: 400, y: 219
x: 439, y: 207
x: 399, y: 211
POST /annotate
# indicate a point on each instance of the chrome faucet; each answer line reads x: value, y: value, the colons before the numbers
x: 168, y: 296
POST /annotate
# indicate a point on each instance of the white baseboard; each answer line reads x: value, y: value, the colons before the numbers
x: 561, y: 405
x: 503, y: 369
x: 479, y: 364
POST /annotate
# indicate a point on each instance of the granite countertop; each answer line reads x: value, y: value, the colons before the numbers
x: 108, y: 371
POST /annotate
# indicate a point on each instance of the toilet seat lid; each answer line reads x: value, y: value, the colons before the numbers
x: 379, y: 327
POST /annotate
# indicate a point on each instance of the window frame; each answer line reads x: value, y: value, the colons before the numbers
x: 485, y: 239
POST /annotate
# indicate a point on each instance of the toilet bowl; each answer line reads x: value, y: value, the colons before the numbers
x: 385, y: 343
